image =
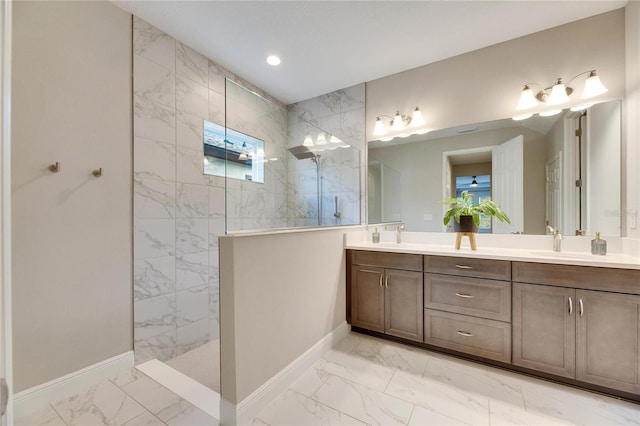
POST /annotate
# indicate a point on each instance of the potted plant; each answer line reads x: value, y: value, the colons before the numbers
x: 467, y: 214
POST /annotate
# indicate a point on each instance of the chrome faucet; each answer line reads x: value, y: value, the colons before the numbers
x: 399, y: 230
x: 557, y: 237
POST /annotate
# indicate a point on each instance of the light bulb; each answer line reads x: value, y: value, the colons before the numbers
x: 558, y: 94
x: 550, y: 112
x: 242, y: 156
x: 308, y: 141
x: 334, y: 139
x: 521, y: 117
x: 397, y: 123
x: 593, y: 86
x: 417, y: 120
x: 321, y: 140
x: 527, y: 100
x: 379, y: 128
x: 581, y: 107
x: 273, y: 60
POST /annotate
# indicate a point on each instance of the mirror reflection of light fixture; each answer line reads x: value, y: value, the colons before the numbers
x: 559, y: 93
x: 321, y: 140
x: 399, y: 122
x: 474, y: 182
x: 308, y: 141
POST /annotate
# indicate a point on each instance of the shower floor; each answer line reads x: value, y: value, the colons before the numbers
x: 201, y: 364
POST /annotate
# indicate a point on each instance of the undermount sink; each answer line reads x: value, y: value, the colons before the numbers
x: 563, y: 255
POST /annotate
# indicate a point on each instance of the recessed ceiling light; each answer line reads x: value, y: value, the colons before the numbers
x: 273, y: 60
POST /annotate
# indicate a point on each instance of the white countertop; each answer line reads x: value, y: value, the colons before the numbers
x: 519, y: 255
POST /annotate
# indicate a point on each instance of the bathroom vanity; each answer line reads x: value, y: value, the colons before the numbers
x: 572, y: 319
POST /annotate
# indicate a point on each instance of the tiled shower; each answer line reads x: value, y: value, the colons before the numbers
x: 179, y: 212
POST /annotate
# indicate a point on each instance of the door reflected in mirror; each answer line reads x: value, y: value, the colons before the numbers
x: 562, y: 171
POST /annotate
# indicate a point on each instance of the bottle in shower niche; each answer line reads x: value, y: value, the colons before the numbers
x: 598, y: 246
x: 375, y: 237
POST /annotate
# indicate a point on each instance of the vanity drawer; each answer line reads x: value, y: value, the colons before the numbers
x: 470, y: 296
x: 476, y: 336
x: 583, y: 277
x: 407, y: 262
x: 468, y: 267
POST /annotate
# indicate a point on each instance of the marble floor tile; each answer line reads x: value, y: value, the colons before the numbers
x: 422, y: 416
x: 575, y: 406
x: 145, y: 419
x: 310, y: 381
x: 363, y: 403
x: 193, y: 416
x: 44, y: 416
x: 159, y: 400
x: 396, y: 356
x: 102, y: 404
x: 442, y: 398
x: 502, y: 414
x: 294, y: 409
x: 475, y: 380
x: 355, y: 368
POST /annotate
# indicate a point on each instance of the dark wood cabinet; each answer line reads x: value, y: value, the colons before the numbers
x: 387, y: 300
x: 544, y: 328
x: 608, y: 347
x: 367, y: 297
x: 574, y: 332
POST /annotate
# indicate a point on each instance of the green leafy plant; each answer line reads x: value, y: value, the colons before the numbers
x: 464, y: 206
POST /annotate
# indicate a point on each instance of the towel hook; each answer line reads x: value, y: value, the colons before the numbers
x: 97, y: 172
x: 54, y: 168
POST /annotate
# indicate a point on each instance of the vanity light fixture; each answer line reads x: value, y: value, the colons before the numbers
x: 559, y: 93
x: 399, y: 122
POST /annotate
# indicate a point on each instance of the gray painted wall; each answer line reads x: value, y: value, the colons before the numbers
x: 72, y: 278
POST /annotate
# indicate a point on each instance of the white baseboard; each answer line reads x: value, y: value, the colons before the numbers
x: 39, y: 396
x: 247, y: 409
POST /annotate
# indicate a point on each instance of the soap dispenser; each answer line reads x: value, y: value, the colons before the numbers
x: 375, y: 237
x: 598, y: 246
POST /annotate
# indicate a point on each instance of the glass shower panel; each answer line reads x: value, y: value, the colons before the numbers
x: 258, y: 202
x: 311, y: 177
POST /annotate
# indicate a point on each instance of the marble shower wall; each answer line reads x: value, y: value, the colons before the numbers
x: 254, y: 205
x: 341, y: 114
x: 178, y: 211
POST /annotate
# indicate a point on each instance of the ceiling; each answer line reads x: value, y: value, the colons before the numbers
x: 330, y: 45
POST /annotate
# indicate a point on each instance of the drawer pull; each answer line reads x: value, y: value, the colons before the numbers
x: 464, y: 333
x: 464, y: 267
x: 464, y: 296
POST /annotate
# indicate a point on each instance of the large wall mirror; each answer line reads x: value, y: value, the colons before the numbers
x: 562, y: 171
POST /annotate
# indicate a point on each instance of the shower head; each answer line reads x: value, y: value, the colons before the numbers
x: 301, y: 152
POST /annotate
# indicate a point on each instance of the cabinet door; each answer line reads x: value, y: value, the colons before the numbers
x: 404, y: 308
x: 544, y: 329
x: 607, y: 339
x: 367, y: 297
